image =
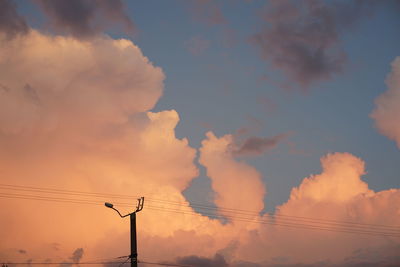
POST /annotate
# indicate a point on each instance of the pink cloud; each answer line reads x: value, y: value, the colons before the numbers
x: 237, y: 185
x: 387, y: 109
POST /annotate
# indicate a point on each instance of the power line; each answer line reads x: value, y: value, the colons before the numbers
x: 310, y: 223
x: 221, y: 209
x: 62, y: 191
x: 292, y: 225
x: 92, y: 263
x: 274, y: 220
x: 241, y: 218
x: 164, y: 264
x: 127, y: 259
x: 62, y: 263
x: 314, y: 226
x: 111, y: 260
x: 175, y: 203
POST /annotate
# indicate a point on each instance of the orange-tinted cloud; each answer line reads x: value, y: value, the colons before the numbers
x: 387, y: 109
x: 336, y: 195
x: 310, y: 229
x: 236, y: 184
x: 339, y: 182
x: 74, y: 115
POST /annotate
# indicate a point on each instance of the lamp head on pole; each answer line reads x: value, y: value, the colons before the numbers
x: 109, y: 205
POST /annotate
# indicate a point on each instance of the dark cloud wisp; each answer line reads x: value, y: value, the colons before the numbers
x: 302, y: 38
x: 258, y: 145
x: 85, y: 18
x: 196, y: 261
x: 207, y: 11
x: 77, y: 255
x: 11, y: 24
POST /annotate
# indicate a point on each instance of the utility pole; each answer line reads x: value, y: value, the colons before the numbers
x: 134, y: 253
x: 132, y: 216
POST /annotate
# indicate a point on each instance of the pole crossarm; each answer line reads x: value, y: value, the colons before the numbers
x: 140, y: 204
x: 139, y: 207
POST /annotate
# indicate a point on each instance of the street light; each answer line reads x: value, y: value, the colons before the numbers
x: 132, y: 215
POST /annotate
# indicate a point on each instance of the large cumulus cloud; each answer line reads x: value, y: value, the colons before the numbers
x: 334, y: 196
x: 330, y: 219
x: 74, y: 115
x: 102, y: 81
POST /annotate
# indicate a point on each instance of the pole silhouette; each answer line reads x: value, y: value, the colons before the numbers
x: 134, y: 254
x: 132, y: 215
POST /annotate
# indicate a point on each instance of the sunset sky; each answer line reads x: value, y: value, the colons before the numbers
x: 261, y: 133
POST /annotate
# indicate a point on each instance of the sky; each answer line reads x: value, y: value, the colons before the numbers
x: 261, y: 133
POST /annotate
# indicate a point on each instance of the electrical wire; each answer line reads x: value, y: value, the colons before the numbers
x: 305, y: 223
x: 111, y: 260
x: 179, y: 204
x: 314, y: 226
x: 257, y: 219
x: 241, y: 218
x: 246, y: 219
x: 282, y: 223
x: 294, y: 225
x: 61, y: 263
x: 92, y: 263
x: 318, y: 226
x: 124, y: 261
x: 163, y: 264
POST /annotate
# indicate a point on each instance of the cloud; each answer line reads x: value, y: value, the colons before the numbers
x: 76, y: 115
x: 387, y: 109
x: 259, y: 145
x: 85, y: 18
x: 386, y: 255
x: 268, y: 104
x: 336, y: 195
x: 302, y: 39
x: 197, y: 45
x: 217, y: 261
x: 11, y: 23
x: 235, y: 183
x: 371, y: 256
x: 340, y: 180
x: 77, y: 255
x: 75, y: 258
x: 208, y: 12
x: 104, y: 82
